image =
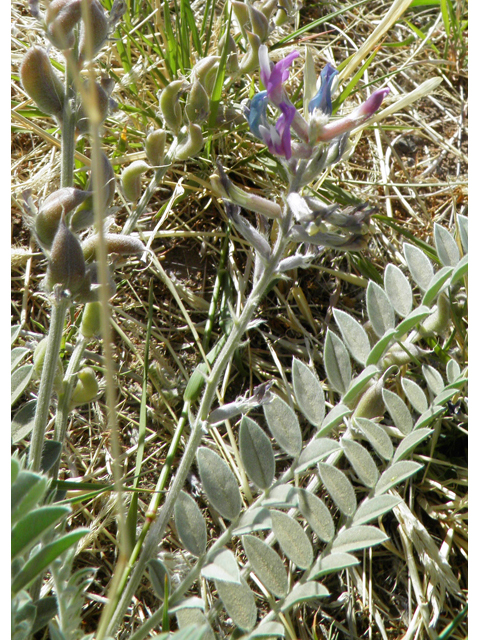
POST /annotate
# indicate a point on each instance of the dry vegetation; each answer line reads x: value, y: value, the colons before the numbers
x: 413, y: 168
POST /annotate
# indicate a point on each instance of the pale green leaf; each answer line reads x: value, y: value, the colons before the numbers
x: 269, y: 629
x: 428, y: 416
x: 223, y: 566
x: 19, y: 382
x: 433, y: 379
x: 316, y: 514
x: 415, y: 395
x: 361, y: 461
x: 380, y: 347
x: 377, y: 436
x: 27, y: 490
x: 23, y: 421
x: 219, y: 483
x: 462, y: 223
x: 283, y: 496
x: 292, y: 539
x: 409, y: 443
x: 304, y: 593
x: 337, y: 362
x: 158, y: 573
x: 436, y: 285
x: 398, y: 290
x: 188, y: 617
x: 332, y: 563
x: 359, y: 383
x: 460, y: 271
x: 380, y: 311
x: 354, y: 335
x: 190, y: 524
x: 239, y: 602
x: 334, y: 417
x: 358, y: 537
x: 395, y: 474
x: 398, y: 410
x: 256, y: 453
x: 413, y: 318
x: 267, y: 565
x: 256, y: 519
x: 284, y: 426
x: 373, y: 508
x: 15, y: 332
x: 308, y: 392
x: 315, y: 451
x: 17, y: 356
x: 339, y: 487
x: 446, y: 246
x: 453, y: 371
x: 419, y: 265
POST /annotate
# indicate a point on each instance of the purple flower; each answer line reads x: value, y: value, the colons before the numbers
x: 274, y: 77
x: 278, y: 138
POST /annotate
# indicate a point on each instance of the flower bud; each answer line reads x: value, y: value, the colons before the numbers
x: 169, y: 105
x: 91, y: 319
x: 98, y: 103
x: 41, y: 83
x: 59, y: 203
x: 371, y: 403
x: 205, y: 71
x: 436, y: 322
x: 92, y: 42
x: 198, y: 104
x: 228, y: 41
x: 259, y: 23
x: 284, y: 13
x: 192, y: 144
x: 84, y: 216
x: 39, y: 359
x: 131, y: 179
x: 240, y: 9
x: 86, y: 388
x: 400, y: 354
x: 268, y: 7
x: 249, y: 62
x: 61, y: 17
x: 66, y: 265
x: 114, y: 243
x: 155, y: 147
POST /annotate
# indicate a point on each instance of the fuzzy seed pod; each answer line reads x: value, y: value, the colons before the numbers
x: 91, y: 316
x: 131, y: 179
x: 41, y: 83
x: 371, y: 403
x: 436, y: 322
x: 249, y: 62
x: 59, y: 203
x: 86, y: 388
x: 232, y: 56
x: 155, y: 147
x: 192, y: 144
x: 399, y: 356
x: 259, y: 23
x: 39, y: 359
x: 268, y: 7
x: 98, y: 31
x: 66, y: 265
x: 61, y: 17
x: 84, y: 215
x: 115, y: 243
x: 99, y: 103
x: 198, y: 104
x: 240, y: 9
x: 285, y: 11
x: 205, y: 71
x: 169, y: 105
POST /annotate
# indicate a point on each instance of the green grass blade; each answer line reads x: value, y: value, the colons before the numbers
x: 220, y: 77
x: 353, y: 82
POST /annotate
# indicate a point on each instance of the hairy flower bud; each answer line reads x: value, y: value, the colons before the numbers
x: 205, y: 71
x: 192, y: 144
x: 131, y: 179
x: 371, y: 402
x: 228, y: 41
x: 249, y: 62
x: 66, y: 265
x: 59, y: 203
x: 240, y: 9
x: 198, y: 104
x: 114, y: 243
x: 436, y: 322
x: 84, y: 216
x: 97, y: 108
x: 91, y: 316
x: 61, y: 17
x: 155, y: 147
x: 259, y: 23
x: 86, y: 388
x: 92, y: 42
x: 268, y: 7
x: 41, y: 83
x: 169, y: 105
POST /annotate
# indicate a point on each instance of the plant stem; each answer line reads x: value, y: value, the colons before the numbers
x: 57, y: 321
x: 68, y: 125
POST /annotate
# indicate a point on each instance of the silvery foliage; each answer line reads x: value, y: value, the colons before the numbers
x: 371, y: 430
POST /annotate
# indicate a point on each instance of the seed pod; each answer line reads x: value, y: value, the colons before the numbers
x: 114, y: 243
x: 205, y: 71
x: 59, y: 203
x: 436, y: 322
x: 39, y: 359
x: 61, y: 17
x: 98, y: 103
x: 268, y: 7
x: 86, y: 388
x: 131, y: 179
x: 259, y: 23
x: 98, y: 31
x: 240, y: 9
x: 198, y: 104
x: 169, y: 105
x: 232, y: 56
x: 91, y: 317
x: 66, y: 265
x: 284, y: 13
x: 400, y: 355
x: 192, y: 144
x: 249, y: 62
x: 155, y: 147
x: 371, y: 402
x: 41, y: 83
x: 84, y: 216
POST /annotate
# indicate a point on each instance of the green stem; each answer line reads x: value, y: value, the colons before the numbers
x: 57, y: 321
x: 159, y: 526
x: 68, y: 125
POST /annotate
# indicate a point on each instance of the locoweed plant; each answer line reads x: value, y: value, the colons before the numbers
x: 318, y: 470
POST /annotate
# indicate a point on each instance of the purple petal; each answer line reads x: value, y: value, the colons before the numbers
x: 372, y: 104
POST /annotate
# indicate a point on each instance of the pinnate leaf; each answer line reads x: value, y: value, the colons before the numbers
x: 380, y: 311
x: 333, y: 562
x: 256, y: 519
x: 316, y: 450
x: 190, y: 524
x: 303, y: 593
x: 292, y: 539
x: 339, y: 487
x: 219, y: 483
x: 398, y: 290
x: 256, y: 453
x: 284, y: 426
x: 354, y: 335
x: 377, y: 436
x: 358, y: 537
x: 415, y: 395
x: 316, y: 514
x: 308, y: 392
x: 337, y: 362
x: 267, y: 565
x: 395, y: 474
x: 433, y: 379
x: 239, y: 602
x: 373, y: 508
x: 361, y: 461
x: 223, y: 567
x: 399, y: 411
x: 419, y: 265
x: 409, y: 443
x: 446, y: 246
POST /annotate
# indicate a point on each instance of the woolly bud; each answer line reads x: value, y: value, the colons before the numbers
x: 268, y: 7
x: 205, y: 71
x: 90, y: 325
x: 114, y: 243
x: 155, y: 147
x: 436, y: 322
x: 371, y: 402
x: 97, y: 30
x: 66, y: 265
x: 240, y: 9
x: 249, y: 62
x: 400, y: 354
x: 39, y: 359
x: 284, y: 13
x: 169, y: 105
x: 131, y: 179
x: 84, y: 216
x: 61, y: 17
x: 192, y: 144
x: 41, y: 83
x: 86, y: 388
x: 259, y: 23
x: 228, y: 41
x: 59, y: 203
x: 198, y: 104
x: 98, y: 104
